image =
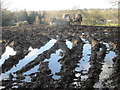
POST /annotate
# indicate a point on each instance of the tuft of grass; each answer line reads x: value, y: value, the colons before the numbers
x: 108, y: 24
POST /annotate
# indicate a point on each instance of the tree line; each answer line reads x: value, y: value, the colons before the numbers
x: 10, y: 18
x: 90, y: 16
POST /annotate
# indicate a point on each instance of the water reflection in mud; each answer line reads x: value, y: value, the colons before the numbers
x: 31, y: 56
x: 107, y: 67
x: 69, y: 44
x: 34, y: 53
x: 8, y: 52
x: 54, y: 64
x: 84, y: 61
x: 33, y: 70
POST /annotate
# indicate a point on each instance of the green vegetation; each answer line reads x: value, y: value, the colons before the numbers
x: 100, y: 17
x: 12, y: 18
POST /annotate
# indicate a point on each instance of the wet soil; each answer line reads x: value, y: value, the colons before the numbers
x: 68, y: 46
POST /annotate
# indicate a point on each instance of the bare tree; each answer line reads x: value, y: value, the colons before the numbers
x: 37, y: 20
x: 114, y: 2
x: 3, y: 4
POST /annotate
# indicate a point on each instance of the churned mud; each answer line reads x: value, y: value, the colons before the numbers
x: 60, y: 57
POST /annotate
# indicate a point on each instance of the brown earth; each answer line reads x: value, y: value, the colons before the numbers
x: 21, y: 38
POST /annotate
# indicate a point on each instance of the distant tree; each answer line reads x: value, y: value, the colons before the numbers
x: 7, y: 18
x: 31, y: 17
x: 36, y: 17
x: 21, y: 16
x: 3, y: 4
x: 37, y: 20
x: 93, y: 17
x: 115, y: 2
x: 43, y: 17
x: 97, y: 16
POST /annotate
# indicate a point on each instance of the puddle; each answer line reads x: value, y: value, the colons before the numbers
x: 85, y: 41
x: 54, y: 65
x: 69, y: 44
x: 84, y: 63
x: 34, y: 53
x: 27, y: 79
x: 107, y: 67
x: 31, y: 56
x: 33, y: 70
x: 8, y: 51
x: 2, y: 87
x: 106, y: 33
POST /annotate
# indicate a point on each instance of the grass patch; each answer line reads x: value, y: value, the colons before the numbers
x: 108, y: 24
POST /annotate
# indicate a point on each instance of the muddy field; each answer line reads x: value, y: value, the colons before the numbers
x: 60, y: 57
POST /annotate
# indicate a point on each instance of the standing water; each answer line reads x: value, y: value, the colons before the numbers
x: 84, y: 61
x: 31, y: 56
x: 55, y: 66
x: 107, y: 67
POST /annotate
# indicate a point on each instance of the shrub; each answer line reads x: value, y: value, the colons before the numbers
x: 21, y: 23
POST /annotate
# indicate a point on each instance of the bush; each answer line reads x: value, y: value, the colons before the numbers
x: 21, y: 23
x: 59, y: 22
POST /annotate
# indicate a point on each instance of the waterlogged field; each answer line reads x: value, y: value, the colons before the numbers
x: 60, y: 57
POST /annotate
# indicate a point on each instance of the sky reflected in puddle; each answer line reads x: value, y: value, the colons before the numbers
x: 31, y: 56
x: 8, y: 51
x: 84, y: 62
x: 54, y: 65
x: 107, y: 67
x: 69, y: 44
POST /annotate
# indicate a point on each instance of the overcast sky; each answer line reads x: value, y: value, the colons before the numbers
x: 56, y: 4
